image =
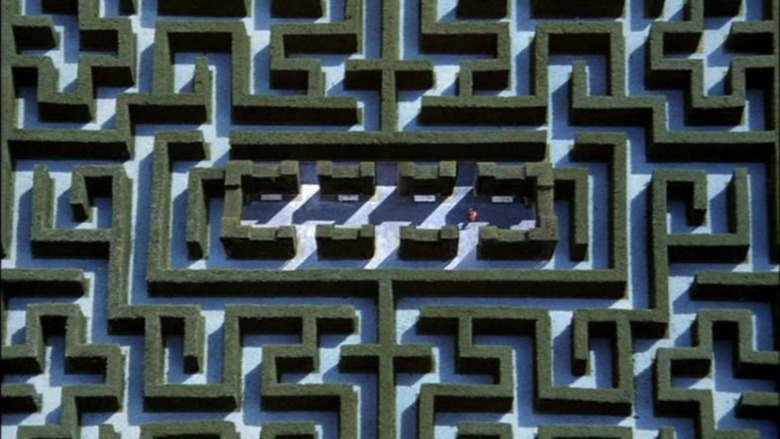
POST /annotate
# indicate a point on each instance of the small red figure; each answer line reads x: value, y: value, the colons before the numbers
x: 473, y: 214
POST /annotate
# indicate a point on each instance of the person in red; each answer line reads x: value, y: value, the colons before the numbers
x: 473, y: 214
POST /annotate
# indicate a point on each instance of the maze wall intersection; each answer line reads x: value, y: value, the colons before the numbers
x: 547, y: 219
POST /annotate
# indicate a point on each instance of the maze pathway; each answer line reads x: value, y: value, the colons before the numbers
x: 289, y: 219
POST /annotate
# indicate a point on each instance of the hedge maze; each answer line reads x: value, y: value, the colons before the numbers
x: 654, y: 218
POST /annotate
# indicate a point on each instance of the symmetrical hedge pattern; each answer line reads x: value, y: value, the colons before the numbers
x: 183, y: 163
